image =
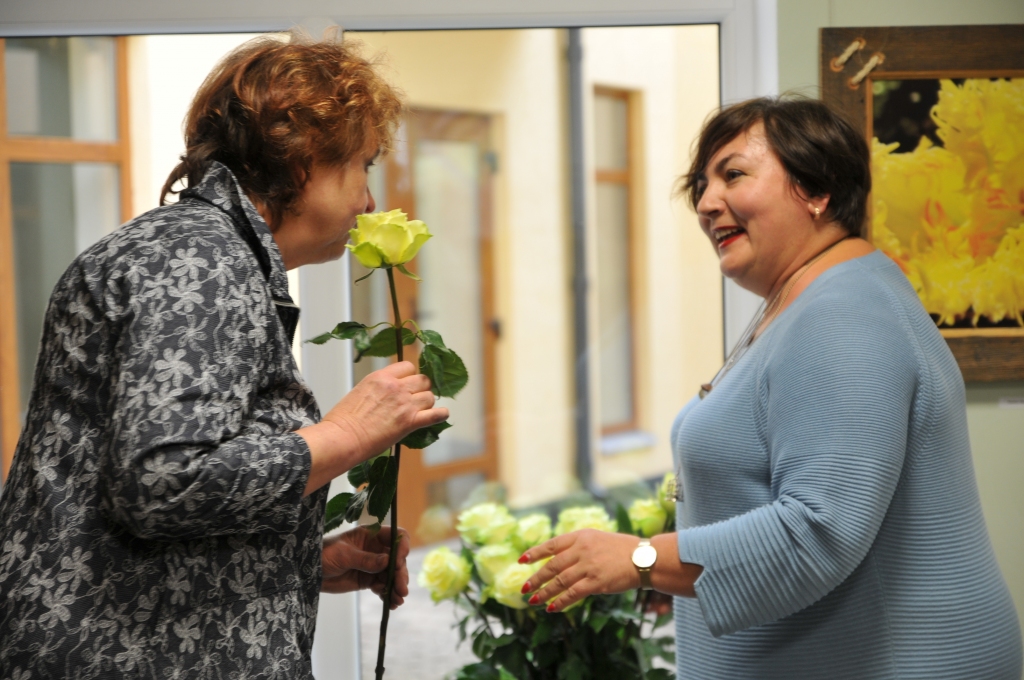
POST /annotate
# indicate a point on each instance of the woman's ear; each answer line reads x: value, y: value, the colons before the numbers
x: 817, y: 206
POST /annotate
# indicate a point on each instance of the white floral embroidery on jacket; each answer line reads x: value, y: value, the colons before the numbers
x: 153, y: 523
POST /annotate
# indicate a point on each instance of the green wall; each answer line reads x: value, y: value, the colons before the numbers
x: 997, y: 441
x: 997, y: 428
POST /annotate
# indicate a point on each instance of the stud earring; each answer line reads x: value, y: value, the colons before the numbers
x: 817, y: 213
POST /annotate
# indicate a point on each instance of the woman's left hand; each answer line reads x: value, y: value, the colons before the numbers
x: 585, y: 562
x: 358, y: 559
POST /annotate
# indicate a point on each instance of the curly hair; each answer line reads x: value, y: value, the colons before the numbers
x: 272, y: 109
x: 821, y: 151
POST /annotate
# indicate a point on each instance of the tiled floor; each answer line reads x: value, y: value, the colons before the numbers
x: 421, y: 640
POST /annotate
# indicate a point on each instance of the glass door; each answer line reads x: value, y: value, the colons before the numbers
x: 440, y: 172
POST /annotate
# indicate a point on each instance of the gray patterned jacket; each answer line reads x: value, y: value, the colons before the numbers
x: 153, y: 523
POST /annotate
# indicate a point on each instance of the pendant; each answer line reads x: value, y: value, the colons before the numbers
x: 674, y: 492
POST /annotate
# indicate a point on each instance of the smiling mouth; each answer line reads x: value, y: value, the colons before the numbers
x: 725, y: 235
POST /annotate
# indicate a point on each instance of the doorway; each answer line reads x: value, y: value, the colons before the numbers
x: 441, y: 171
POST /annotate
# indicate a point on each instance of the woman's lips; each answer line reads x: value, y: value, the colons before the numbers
x: 729, y: 236
x: 727, y: 241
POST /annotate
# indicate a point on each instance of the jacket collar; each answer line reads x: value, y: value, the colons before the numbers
x: 220, y: 189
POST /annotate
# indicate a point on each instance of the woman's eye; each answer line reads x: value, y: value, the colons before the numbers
x: 732, y: 174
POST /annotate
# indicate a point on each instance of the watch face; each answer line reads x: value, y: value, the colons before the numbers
x: 645, y: 556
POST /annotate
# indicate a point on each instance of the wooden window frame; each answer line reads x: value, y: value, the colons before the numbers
x: 31, y: 149
x: 425, y: 123
x: 627, y: 178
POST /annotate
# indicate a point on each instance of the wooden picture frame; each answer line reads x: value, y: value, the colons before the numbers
x: 852, y: 60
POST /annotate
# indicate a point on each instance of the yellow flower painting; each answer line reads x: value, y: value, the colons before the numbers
x: 951, y: 212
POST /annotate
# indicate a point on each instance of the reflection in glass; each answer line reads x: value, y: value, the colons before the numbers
x: 61, y: 87
x: 611, y: 142
x: 614, y: 323
x: 446, y: 179
x: 59, y: 210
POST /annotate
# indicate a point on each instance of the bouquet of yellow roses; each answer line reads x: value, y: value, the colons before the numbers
x: 597, y: 638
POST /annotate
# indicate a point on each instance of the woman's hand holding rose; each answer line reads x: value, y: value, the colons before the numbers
x: 358, y: 559
x: 382, y: 409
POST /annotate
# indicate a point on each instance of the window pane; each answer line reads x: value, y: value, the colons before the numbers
x: 59, y: 210
x: 446, y: 180
x: 611, y: 136
x: 62, y: 87
x: 614, y: 321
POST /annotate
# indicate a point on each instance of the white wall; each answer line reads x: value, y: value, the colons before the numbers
x: 164, y: 73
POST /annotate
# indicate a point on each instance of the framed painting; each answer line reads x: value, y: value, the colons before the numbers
x: 942, y: 108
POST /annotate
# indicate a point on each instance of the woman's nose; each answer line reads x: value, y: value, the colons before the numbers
x: 710, y: 202
x: 371, y: 205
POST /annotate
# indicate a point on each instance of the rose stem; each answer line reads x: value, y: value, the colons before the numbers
x: 392, y: 557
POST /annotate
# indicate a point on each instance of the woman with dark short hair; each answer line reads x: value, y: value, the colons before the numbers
x: 163, y: 517
x: 829, y: 521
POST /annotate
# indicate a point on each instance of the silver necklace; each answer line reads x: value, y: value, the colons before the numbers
x: 765, y: 314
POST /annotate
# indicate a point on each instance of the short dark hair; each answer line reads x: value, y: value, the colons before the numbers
x: 271, y: 109
x: 822, y: 153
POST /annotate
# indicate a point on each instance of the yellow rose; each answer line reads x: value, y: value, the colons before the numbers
x: 667, y: 494
x: 444, y: 573
x: 647, y: 516
x: 386, y: 239
x: 532, y: 530
x: 508, y: 586
x: 592, y: 517
x: 492, y: 559
x: 486, y: 524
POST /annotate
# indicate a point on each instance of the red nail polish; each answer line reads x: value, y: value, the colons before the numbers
x: 535, y: 599
x: 526, y: 588
x: 524, y: 559
x: 551, y: 608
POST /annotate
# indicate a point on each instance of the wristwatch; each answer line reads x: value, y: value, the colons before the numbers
x: 644, y: 558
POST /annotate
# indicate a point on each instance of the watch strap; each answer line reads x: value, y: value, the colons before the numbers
x: 645, y: 579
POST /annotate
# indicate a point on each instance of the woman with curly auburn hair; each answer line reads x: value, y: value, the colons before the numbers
x: 163, y: 515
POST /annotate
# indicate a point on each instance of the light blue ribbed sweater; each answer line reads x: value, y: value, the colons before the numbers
x: 829, y: 494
